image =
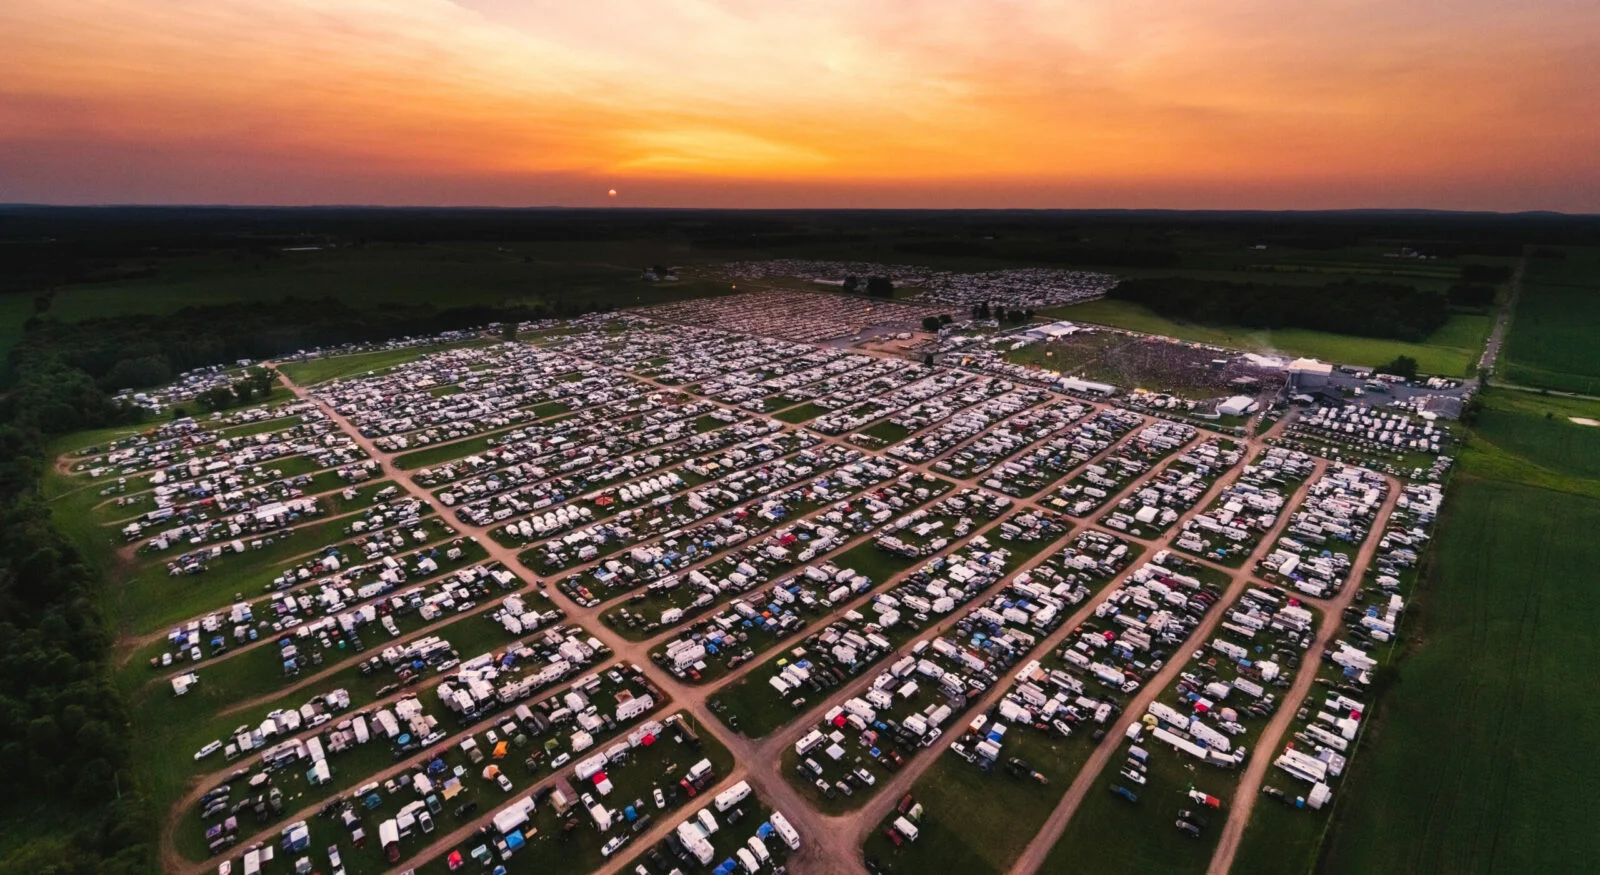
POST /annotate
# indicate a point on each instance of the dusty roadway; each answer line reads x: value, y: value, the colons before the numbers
x: 1502, y: 321
x: 1248, y: 793
x: 831, y: 844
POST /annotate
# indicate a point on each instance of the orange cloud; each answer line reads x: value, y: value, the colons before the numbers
x: 701, y: 102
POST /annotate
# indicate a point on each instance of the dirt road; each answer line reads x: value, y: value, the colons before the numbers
x: 1034, y: 855
x: 1248, y: 792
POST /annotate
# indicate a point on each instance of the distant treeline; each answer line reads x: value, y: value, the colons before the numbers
x: 1477, y: 286
x: 1485, y: 273
x: 1361, y: 308
x: 49, y: 247
x: 146, y: 350
x: 1471, y: 295
x: 1082, y: 255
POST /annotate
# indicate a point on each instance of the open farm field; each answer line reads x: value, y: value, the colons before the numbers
x: 1451, y: 351
x: 1541, y: 431
x: 1552, y: 339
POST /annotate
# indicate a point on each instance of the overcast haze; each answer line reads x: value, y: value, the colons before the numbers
x: 1139, y: 103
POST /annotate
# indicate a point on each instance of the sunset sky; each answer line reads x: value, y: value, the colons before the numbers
x: 1471, y: 104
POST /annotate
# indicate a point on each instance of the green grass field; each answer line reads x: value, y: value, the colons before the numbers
x: 801, y: 413
x: 1518, y: 424
x: 334, y: 367
x: 1452, y: 351
x: 963, y: 830
x: 1551, y: 342
x: 1506, y: 679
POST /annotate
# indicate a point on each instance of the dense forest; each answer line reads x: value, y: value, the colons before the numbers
x: 63, y: 728
x: 1366, y: 309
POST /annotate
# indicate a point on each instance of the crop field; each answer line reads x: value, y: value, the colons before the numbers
x: 1518, y: 424
x: 1551, y: 342
x: 1509, y: 650
x: 1452, y: 350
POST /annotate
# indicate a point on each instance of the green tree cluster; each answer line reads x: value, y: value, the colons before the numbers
x: 1471, y: 295
x: 1402, y: 366
x: 256, y: 385
x: 63, y: 726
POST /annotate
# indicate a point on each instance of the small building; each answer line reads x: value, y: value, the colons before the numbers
x: 1447, y: 406
x: 1087, y: 387
x: 1238, y: 405
x: 1309, y: 373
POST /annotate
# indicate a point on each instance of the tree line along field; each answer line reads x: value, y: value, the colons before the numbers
x: 1552, y: 339
x: 374, y: 275
x: 120, y: 261
x: 1478, y: 759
